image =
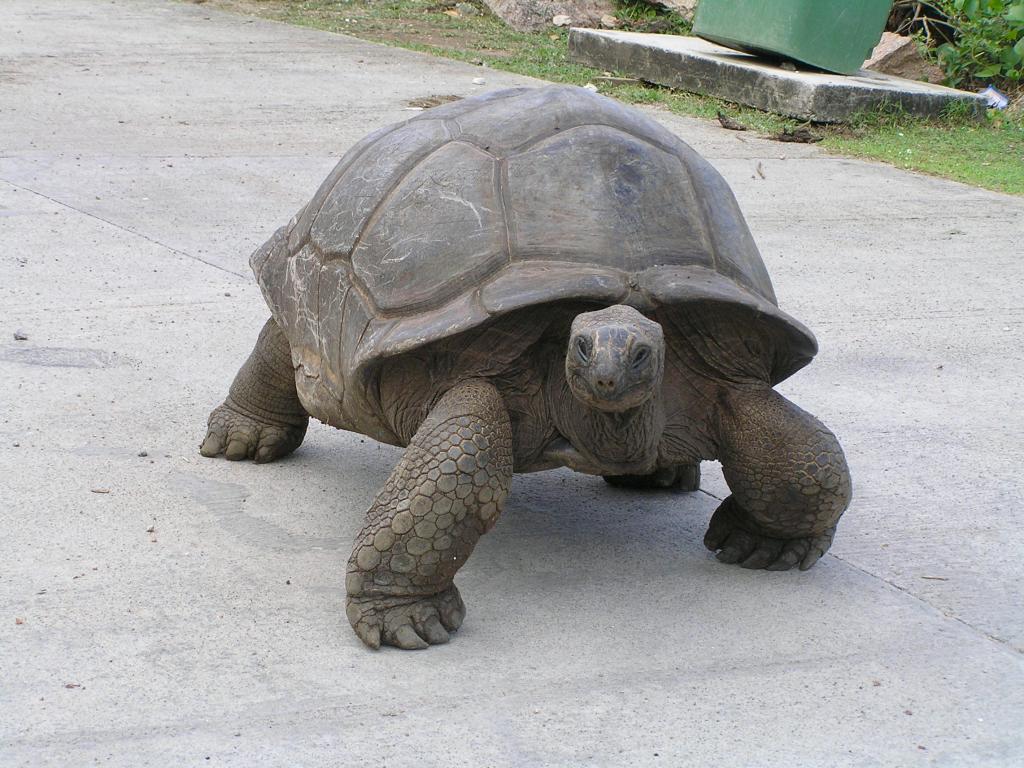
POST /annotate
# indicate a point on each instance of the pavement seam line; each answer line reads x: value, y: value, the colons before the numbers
x: 100, y: 306
x: 998, y: 641
x: 977, y: 630
x: 124, y: 229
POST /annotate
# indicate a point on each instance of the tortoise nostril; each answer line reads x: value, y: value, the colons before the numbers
x: 605, y: 384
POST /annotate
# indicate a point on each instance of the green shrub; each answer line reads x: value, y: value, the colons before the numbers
x: 989, y: 45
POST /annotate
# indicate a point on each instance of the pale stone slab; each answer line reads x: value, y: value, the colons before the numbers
x: 696, y: 65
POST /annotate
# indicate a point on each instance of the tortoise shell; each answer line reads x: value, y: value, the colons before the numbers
x: 517, y: 198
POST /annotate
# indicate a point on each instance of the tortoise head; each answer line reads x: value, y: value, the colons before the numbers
x: 615, y: 359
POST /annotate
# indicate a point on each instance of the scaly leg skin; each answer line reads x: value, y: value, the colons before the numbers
x: 789, y: 482
x: 447, y: 490
x: 684, y: 477
x: 262, y: 417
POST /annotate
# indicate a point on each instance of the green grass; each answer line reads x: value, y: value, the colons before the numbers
x: 987, y: 153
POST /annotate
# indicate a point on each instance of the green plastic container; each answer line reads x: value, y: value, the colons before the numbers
x: 834, y: 35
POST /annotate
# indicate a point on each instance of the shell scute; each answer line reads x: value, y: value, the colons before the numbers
x: 539, y: 113
x: 618, y: 202
x: 441, y: 230
x: 365, y: 183
x: 299, y: 229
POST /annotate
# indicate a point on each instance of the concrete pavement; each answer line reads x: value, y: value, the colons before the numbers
x: 147, y: 147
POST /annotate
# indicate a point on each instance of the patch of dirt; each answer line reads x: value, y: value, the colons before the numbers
x: 432, y: 101
x: 800, y: 135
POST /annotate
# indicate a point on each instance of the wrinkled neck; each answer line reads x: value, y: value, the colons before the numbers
x: 607, y: 438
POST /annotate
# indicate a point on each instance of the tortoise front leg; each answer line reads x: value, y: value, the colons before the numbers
x: 447, y: 490
x: 789, y: 482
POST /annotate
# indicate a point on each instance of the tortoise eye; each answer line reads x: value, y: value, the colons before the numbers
x: 641, y: 355
x: 583, y: 349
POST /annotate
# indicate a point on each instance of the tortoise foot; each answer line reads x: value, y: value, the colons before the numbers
x: 410, y: 623
x: 238, y: 435
x: 736, y: 539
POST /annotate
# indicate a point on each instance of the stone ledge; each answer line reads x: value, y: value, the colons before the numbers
x: 692, y: 64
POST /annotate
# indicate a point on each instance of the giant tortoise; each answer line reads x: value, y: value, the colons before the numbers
x: 530, y: 279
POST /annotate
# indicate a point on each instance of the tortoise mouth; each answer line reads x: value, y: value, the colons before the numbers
x: 615, y: 400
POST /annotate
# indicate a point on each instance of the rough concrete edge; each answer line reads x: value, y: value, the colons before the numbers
x: 838, y: 103
x: 707, y: 76
x: 670, y: 68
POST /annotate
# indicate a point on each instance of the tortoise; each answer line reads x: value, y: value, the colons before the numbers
x: 530, y: 279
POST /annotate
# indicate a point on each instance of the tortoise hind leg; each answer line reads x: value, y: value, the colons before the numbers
x: 684, y: 477
x: 262, y: 417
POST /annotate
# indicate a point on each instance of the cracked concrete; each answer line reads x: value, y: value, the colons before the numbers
x: 148, y: 147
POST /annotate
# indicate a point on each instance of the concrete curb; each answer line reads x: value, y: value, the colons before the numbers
x: 695, y: 65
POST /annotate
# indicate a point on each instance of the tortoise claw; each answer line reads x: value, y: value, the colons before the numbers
x: 409, y: 623
x: 730, y: 536
x: 239, y: 436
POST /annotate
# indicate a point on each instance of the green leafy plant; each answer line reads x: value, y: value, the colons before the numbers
x: 989, y: 44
